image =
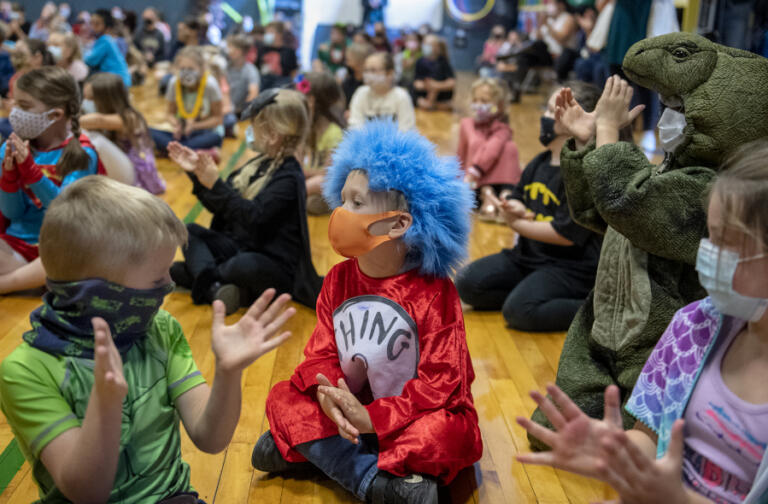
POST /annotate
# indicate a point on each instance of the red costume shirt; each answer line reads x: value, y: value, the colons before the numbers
x: 400, y: 344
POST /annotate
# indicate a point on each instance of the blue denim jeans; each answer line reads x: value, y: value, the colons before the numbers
x: 352, y: 466
x: 201, y: 139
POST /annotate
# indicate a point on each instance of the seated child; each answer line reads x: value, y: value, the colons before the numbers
x: 356, y: 55
x: 65, y: 50
x: 405, y: 60
x: 108, y: 108
x: 194, y: 105
x: 242, y: 77
x: 434, y: 79
x: 277, y: 60
x: 380, y: 98
x: 701, y: 422
x: 95, y: 392
x: 332, y: 53
x: 486, y: 149
x: 258, y: 237
x: 326, y: 125
x: 541, y: 283
x: 45, y: 153
x: 105, y: 56
x: 487, y: 60
x: 403, y: 405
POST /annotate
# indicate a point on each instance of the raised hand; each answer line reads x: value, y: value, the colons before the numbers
x: 19, y: 147
x: 333, y: 410
x: 576, y: 440
x: 638, y: 478
x: 183, y: 156
x: 206, y: 170
x: 108, y: 380
x: 572, y: 118
x: 612, y: 109
x: 237, y: 346
x: 8, y: 164
x: 353, y: 410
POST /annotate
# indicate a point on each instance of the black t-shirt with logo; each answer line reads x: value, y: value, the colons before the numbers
x: 542, y: 191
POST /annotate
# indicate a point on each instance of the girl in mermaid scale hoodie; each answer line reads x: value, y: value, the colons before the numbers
x: 702, y: 424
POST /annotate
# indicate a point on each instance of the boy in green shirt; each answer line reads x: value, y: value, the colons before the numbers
x: 95, y: 392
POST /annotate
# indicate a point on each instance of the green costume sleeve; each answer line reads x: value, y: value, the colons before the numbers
x: 661, y: 213
x: 580, y: 200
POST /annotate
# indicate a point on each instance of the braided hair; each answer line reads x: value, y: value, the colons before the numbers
x: 56, y: 88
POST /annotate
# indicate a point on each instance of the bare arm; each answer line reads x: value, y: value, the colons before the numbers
x: 562, y: 35
x: 215, y: 119
x: 540, y: 231
x: 253, y: 92
x: 93, y: 448
x: 111, y: 122
x: 211, y: 415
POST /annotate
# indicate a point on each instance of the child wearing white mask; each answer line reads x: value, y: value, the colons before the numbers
x: 195, y: 107
x: 487, y: 152
x: 702, y: 423
x: 65, y: 49
x: 45, y: 153
x: 379, y: 97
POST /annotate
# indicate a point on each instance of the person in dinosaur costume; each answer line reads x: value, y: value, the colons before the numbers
x: 653, y: 216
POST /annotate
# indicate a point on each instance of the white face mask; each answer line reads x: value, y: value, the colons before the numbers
x: 671, y: 126
x: 29, y: 125
x: 375, y: 80
x: 269, y: 38
x: 55, y: 52
x: 717, y: 268
x: 89, y: 107
x: 189, y: 77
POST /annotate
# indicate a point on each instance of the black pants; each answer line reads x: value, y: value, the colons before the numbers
x: 211, y: 256
x: 544, y: 299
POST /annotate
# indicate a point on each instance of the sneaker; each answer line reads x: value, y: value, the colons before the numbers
x: 229, y: 294
x: 414, y: 489
x: 266, y: 457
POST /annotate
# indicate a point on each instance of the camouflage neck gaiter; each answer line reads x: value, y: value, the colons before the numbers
x: 62, y: 325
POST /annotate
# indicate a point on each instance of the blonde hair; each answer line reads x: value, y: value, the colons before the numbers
x: 288, y: 119
x: 742, y: 188
x: 69, y: 39
x: 498, y: 89
x: 193, y: 53
x: 98, y: 226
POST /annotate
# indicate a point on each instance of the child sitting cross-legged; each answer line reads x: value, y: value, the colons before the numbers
x: 95, y: 392
x: 390, y: 331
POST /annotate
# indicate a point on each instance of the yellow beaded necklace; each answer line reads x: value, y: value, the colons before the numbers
x: 182, y: 111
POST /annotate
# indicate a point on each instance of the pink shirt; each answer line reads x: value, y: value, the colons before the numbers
x: 725, y: 436
x: 489, y: 147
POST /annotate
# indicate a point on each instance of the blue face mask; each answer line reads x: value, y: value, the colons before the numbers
x: 716, y: 268
x: 249, y: 135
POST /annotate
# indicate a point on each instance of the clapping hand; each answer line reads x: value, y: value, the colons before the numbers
x: 108, y: 379
x: 238, y: 345
x: 346, y: 411
x: 19, y: 147
x: 576, y: 441
x: 612, y: 110
x: 573, y: 119
x: 638, y: 478
x: 513, y: 210
x: 183, y: 156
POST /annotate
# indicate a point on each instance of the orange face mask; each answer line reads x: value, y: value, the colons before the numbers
x: 349, y: 234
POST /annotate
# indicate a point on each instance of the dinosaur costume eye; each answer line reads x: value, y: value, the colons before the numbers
x: 680, y: 53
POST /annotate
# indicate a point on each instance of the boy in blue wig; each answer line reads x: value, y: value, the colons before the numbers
x: 382, y: 402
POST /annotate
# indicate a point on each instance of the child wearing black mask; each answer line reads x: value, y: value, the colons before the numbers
x: 541, y: 283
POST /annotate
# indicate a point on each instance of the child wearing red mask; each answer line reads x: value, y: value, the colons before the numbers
x: 382, y: 402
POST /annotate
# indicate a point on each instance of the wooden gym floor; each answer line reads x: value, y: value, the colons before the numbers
x: 507, y: 363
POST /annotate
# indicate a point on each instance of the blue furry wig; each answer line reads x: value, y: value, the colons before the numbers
x: 438, y: 199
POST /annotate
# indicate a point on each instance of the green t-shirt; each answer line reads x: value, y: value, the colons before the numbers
x: 44, y: 395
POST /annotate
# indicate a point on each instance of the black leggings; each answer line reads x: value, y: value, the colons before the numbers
x: 543, y: 299
x: 211, y: 256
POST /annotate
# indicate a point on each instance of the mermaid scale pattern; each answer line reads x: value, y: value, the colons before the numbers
x: 668, y: 376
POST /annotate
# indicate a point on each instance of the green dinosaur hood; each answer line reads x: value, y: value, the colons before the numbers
x: 721, y: 90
